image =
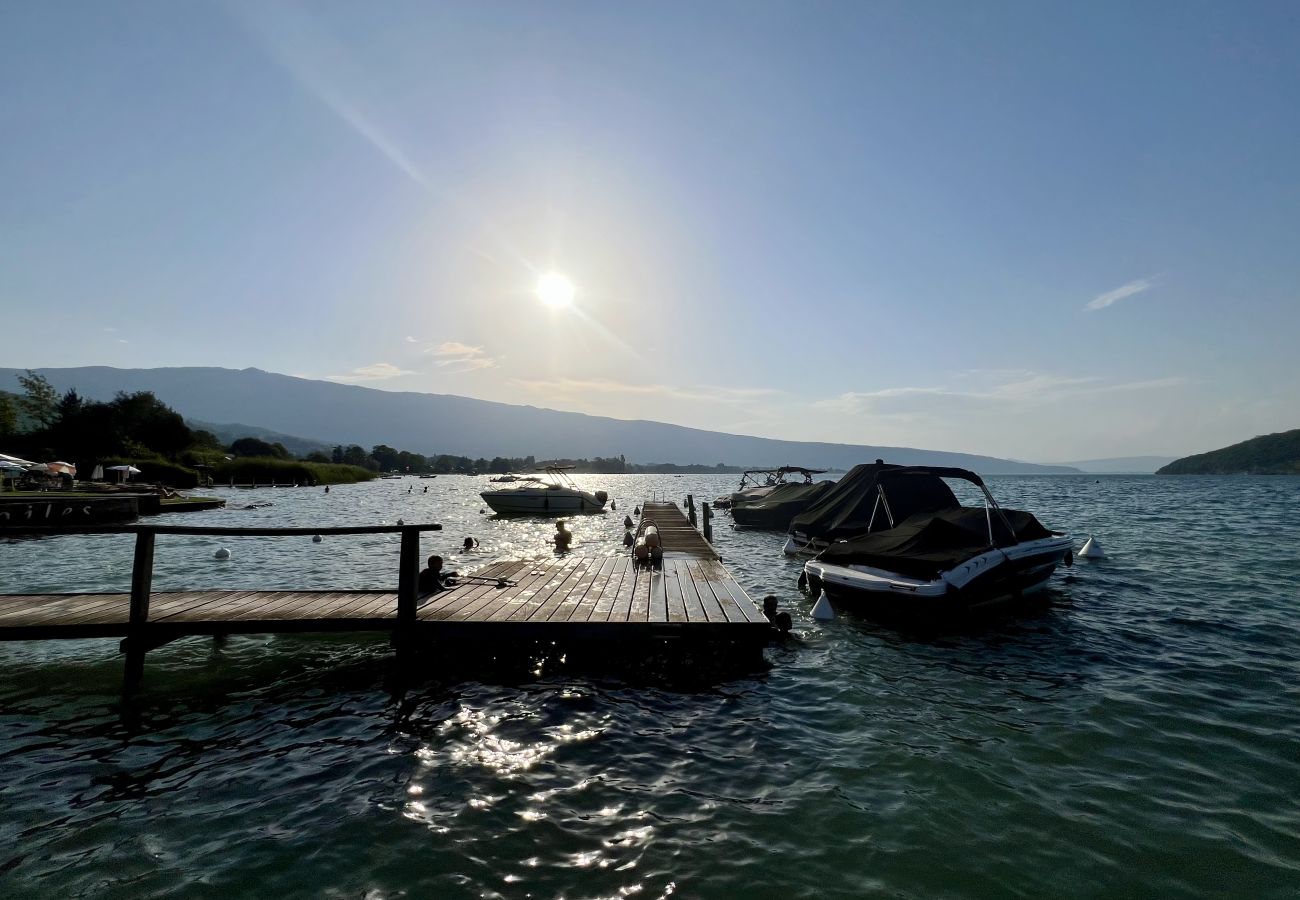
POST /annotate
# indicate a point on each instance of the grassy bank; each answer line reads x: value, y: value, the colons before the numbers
x: 264, y: 470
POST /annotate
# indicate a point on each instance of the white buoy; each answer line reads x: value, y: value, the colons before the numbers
x: 1091, y: 549
x: 315, y: 538
x: 822, y: 608
x: 222, y: 554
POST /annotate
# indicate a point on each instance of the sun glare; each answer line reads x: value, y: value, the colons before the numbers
x: 555, y: 290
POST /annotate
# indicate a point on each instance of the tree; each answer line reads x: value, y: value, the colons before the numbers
x: 147, y: 421
x: 337, y: 456
x: 8, y: 417
x: 356, y: 455
x: 317, y: 456
x: 206, y: 440
x: 251, y: 446
x: 384, y: 456
x: 40, y: 400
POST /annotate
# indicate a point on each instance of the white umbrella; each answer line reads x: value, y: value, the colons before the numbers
x: 98, y: 474
x: 14, y: 460
x: 125, y: 472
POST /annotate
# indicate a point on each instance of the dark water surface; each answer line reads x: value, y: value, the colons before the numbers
x: 1137, y: 737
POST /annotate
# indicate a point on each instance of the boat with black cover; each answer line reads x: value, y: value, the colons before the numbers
x: 853, y: 506
x: 775, y: 510
x: 755, y: 484
x: 940, y: 563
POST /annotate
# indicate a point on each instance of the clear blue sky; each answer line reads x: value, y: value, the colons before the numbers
x: 1042, y: 230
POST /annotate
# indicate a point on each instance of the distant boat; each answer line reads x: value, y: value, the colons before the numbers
x: 553, y: 494
x: 758, y: 483
x: 428, y: 476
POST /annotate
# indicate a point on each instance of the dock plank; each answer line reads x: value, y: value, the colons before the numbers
x: 582, y: 574
x: 674, y: 597
x: 601, y: 609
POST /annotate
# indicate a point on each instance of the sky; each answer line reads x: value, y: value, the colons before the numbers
x: 1045, y: 231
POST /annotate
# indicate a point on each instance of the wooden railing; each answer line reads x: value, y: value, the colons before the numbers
x: 137, y: 643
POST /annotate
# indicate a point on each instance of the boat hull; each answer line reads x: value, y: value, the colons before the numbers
x: 538, y: 502
x: 989, y: 581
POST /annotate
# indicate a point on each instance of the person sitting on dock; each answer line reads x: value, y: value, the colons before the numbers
x: 433, y: 579
x: 563, y: 537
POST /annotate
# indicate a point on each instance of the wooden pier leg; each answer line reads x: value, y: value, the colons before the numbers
x: 408, y: 578
x: 141, y: 586
x: 690, y: 509
x: 708, y: 522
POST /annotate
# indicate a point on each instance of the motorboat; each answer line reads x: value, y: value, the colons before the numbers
x: 937, y: 564
x: 775, y: 510
x: 755, y: 484
x: 856, y: 505
x: 552, y: 493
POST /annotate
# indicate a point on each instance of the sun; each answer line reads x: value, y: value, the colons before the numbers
x: 555, y: 290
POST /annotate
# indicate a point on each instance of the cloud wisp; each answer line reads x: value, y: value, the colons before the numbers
x: 1110, y: 298
x: 571, y: 387
x: 456, y: 357
x: 1025, y: 389
x: 379, y: 371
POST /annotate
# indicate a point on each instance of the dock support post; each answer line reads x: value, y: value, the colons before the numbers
x: 690, y: 510
x: 141, y: 586
x: 708, y: 522
x: 408, y: 579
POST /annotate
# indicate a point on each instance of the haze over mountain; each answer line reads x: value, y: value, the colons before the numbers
x: 1121, y: 465
x: 441, y: 423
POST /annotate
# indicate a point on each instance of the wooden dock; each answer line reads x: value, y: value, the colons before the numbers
x: 689, y: 598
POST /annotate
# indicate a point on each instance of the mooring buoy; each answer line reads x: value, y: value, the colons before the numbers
x: 1091, y: 549
x: 315, y: 538
x: 822, y: 608
x: 222, y: 554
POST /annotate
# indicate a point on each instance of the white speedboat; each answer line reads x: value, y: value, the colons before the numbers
x: 935, y: 564
x: 550, y: 494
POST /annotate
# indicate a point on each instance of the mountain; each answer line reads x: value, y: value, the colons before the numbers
x: 1269, y: 454
x: 1121, y: 465
x: 443, y: 423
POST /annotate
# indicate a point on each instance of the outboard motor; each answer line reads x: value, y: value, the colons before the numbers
x: 601, y: 497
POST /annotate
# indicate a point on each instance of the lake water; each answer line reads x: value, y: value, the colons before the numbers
x: 1137, y: 737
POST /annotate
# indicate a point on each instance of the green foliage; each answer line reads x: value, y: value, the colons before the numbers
x: 8, y: 417
x: 153, y: 470
x: 251, y: 446
x: 267, y: 469
x: 206, y: 440
x: 1269, y: 454
x: 40, y: 400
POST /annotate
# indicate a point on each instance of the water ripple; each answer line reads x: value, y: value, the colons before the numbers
x: 1134, y: 736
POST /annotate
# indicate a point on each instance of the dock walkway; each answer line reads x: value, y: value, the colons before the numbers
x: 690, y: 597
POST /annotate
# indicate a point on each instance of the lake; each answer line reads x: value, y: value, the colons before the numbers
x: 1137, y: 735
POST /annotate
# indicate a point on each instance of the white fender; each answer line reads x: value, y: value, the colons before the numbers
x: 822, y: 608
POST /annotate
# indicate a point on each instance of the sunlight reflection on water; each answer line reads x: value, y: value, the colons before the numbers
x: 1128, y: 739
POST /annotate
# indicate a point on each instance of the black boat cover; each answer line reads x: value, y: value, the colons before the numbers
x: 779, y: 507
x: 845, y: 510
x: 929, y: 543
